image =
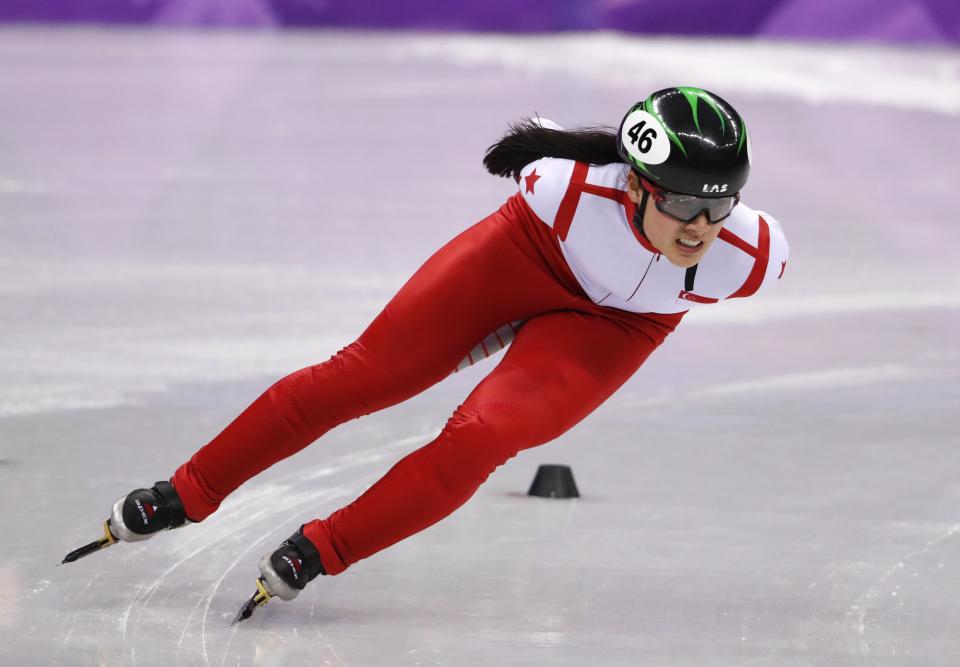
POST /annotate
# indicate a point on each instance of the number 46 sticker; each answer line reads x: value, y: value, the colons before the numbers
x: 644, y: 138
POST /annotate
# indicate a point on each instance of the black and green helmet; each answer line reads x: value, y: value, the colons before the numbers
x: 687, y: 140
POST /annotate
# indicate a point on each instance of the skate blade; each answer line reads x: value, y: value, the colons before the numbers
x: 107, y: 540
x: 260, y: 598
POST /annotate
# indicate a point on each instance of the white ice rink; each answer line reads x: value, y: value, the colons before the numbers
x: 186, y: 217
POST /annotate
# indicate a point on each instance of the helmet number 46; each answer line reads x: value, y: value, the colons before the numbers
x: 642, y: 138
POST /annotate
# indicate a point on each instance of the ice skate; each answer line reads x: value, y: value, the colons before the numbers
x: 139, y: 515
x: 284, y: 573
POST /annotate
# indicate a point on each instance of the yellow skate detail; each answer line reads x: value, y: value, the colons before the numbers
x: 262, y: 596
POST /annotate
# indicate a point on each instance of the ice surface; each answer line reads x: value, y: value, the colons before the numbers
x: 186, y: 217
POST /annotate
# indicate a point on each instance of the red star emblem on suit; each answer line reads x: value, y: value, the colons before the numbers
x: 530, y: 181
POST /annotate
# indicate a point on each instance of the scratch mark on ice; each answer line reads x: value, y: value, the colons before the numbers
x: 861, y: 607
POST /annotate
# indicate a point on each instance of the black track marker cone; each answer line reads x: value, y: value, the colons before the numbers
x: 554, y: 481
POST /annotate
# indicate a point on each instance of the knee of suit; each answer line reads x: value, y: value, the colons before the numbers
x: 475, y: 442
x: 317, y: 397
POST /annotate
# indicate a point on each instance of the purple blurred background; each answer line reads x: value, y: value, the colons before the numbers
x: 905, y: 21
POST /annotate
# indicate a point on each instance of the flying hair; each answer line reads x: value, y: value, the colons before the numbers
x: 527, y: 141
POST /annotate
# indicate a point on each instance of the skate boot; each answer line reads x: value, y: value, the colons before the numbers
x: 138, y: 516
x: 284, y: 573
x: 144, y: 512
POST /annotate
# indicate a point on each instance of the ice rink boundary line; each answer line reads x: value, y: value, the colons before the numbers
x: 786, y: 308
x: 378, y: 288
x: 141, y: 386
x: 840, y: 378
x: 39, y: 275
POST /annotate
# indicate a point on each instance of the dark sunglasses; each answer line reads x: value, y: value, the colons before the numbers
x: 686, y: 208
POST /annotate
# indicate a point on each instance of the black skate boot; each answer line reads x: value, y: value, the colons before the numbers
x: 285, y: 572
x: 137, y: 516
x: 145, y: 512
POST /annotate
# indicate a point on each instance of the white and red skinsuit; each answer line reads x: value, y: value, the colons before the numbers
x: 593, y: 299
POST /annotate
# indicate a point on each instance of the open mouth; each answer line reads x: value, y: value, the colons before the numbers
x: 689, y: 246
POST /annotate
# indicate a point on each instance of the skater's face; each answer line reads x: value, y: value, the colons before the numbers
x: 682, y: 243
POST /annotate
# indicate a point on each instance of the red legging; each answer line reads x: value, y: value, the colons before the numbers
x: 567, y: 358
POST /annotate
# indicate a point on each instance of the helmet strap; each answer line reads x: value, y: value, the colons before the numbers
x: 638, y: 214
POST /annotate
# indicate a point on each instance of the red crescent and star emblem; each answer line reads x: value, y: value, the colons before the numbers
x: 530, y: 181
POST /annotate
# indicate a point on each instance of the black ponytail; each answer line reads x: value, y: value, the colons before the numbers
x: 527, y: 141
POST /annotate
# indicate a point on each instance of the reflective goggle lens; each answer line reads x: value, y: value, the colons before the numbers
x: 686, y: 208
